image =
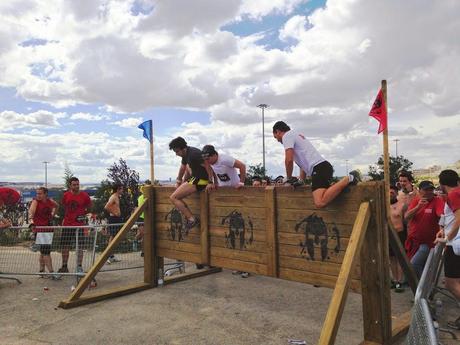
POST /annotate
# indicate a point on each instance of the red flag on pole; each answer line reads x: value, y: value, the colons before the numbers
x: 379, y: 112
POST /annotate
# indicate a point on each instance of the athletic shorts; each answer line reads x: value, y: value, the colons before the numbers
x: 113, y: 230
x: 199, y: 183
x: 68, y: 237
x: 402, y: 237
x: 45, y: 249
x: 451, y: 263
x: 321, y: 176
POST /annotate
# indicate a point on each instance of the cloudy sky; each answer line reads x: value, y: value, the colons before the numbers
x: 77, y: 77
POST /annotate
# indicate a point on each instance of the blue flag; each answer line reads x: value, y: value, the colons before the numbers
x: 146, y: 126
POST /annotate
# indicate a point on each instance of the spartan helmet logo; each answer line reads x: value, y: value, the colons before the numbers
x: 176, y: 225
x: 316, y: 235
x: 237, y: 230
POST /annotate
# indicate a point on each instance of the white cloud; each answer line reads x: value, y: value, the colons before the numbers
x: 42, y: 118
x: 130, y: 122
x: 88, y: 117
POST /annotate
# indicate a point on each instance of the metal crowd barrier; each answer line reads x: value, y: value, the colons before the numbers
x: 20, y: 250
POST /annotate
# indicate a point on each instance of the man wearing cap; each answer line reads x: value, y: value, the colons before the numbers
x: 423, y: 216
x: 224, y: 168
x: 299, y: 149
x: 192, y: 164
x: 449, y: 234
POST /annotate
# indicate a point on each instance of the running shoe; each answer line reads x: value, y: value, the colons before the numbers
x: 191, y: 224
x: 63, y: 269
x: 356, y: 177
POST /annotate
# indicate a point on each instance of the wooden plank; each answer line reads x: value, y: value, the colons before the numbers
x: 190, y: 238
x: 102, y: 259
x: 327, y: 216
x: 294, y: 239
x: 400, y: 326
x: 234, y: 254
x: 102, y: 295
x: 272, y: 237
x: 289, y: 226
x: 258, y: 224
x: 224, y: 211
x: 219, y: 231
x: 375, y: 294
x: 312, y: 278
x: 254, y: 247
x: 328, y: 268
x: 337, y: 304
x: 164, y: 209
x: 187, y: 276
x: 236, y: 201
x: 179, y: 255
x: 244, y: 266
x: 204, y: 227
x: 181, y: 246
x: 296, y: 252
x: 306, y: 203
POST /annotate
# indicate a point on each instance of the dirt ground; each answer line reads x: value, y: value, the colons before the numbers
x: 216, y: 309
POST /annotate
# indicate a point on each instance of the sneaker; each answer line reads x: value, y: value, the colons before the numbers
x: 399, y: 288
x: 294, y: 182
x: 55, y: 276
x: 236, y: 272
x: 109, y: 261
x: 44, y: 276
x: 191, y: 224
x: 393, y: 284
x: 114, y: 259
x: 80, y: 269
x: 63, y: 269
x: 356, y: 177
x: 244, y: 274
x: 454, y: 324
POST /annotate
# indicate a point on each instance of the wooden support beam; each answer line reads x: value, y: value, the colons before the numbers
x: 400, y: 326
x: 105, y: 254
x: 187, y: 276
x: 100, y: 296
x: 204, y: 227
x: 272, y: 235
x: 337, y: 304
x: 402, y: 258
x: 150, y: 249
x: 375, y: 277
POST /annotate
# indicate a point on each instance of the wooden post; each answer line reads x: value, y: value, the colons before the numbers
x: 386, y: 154
x: 150, y: 254
x: 272, y: 236
x: 375, y: 278
x: 204, y: 228
x: 337, y: 304
x: 152, y: 161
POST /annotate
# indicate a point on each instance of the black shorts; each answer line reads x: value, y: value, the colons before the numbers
x: 45, y: 249
x: 198, y: 182
x: 321, y: 176
x: 113, y: 230
x: 68, y: 237
x: 451, y: 263
x: 402, y: 238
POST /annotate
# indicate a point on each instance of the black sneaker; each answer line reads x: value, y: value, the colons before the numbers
x: 356, y: 177
x: 191, y: 224
x: 63, y: 269
x: 295, y: 182
x: 399, y: 288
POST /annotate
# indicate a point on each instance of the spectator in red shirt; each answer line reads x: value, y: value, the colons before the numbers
x: 41, y: 212
x: 76, y: 204
x: 8, y: 196
x: 423, y: 216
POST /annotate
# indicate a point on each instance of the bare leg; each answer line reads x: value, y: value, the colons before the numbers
x: 323, y: 196
x: 80, y: 257
x: 48, y: 263
x: 41, y: 261
x: 65, y: 256
x: 394, y: 268
x: 181, y: 192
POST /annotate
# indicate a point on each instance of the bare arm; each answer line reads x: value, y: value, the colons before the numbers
x: 412, y: 212
x: 181, y: 173
x: 32, y: 209
x: 453, y: 233
x: 303, y: 174
x: 55, y: 207
x: 289, y: 162
x: 242, y: 168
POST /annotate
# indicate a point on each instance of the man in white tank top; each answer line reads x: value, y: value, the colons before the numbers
x: 299, y: 149
x: 224, y: 168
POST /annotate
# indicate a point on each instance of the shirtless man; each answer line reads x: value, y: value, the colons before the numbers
x: 396, y: 216
x: 113, y: 208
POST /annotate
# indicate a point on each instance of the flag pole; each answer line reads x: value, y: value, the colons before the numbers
x: 386, y: 155
x: 152, y: 169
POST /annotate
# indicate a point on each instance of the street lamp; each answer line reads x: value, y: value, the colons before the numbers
x: 46, y: 173
x: 263, y: 107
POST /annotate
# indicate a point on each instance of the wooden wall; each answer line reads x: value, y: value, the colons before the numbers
x: 284, y: 235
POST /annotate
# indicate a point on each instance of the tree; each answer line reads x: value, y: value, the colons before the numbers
x: 396, y: 165
x: 255, y: 171
x: 68, y: 174
x: 118, y: 173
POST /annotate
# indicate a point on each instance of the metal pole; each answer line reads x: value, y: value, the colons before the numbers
x: 46, y: 173
x: 263, y: 106
x: 346, y: 165
x: 396, y: 142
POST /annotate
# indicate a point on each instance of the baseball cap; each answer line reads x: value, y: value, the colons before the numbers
x: 208, y: 150
x: 426, y: 185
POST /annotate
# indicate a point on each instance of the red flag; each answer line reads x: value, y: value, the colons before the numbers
x: 379, y: 112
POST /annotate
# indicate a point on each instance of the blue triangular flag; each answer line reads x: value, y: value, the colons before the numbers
x: 146, y: 126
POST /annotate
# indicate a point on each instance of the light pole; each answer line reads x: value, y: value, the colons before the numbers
x: 263, y: 107
x: 346, y: 165
x: 396, y: 142
x: 46, y: 173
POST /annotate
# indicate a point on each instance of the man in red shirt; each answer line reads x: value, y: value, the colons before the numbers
x: 41, y: 212
x: 423, y: 216
x: 76, y: 204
